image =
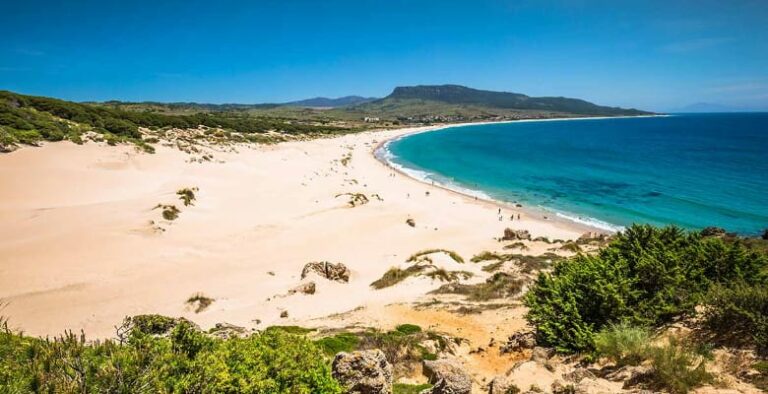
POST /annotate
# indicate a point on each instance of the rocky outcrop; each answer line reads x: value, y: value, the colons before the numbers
x: 363, y: 372
x: 336, y: 272
x: 447, y: 377
x: 519, y: 341
x: 515, y: 235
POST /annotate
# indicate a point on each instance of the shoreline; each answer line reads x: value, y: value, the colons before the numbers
x: 378, y: 152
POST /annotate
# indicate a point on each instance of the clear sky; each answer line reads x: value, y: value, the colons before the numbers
x: 648, y: 54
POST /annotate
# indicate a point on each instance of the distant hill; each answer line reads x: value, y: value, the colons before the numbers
x: 324, y: 102
x: 462, y: 96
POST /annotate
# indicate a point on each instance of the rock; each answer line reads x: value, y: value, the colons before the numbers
x: 410, y: 222
x: 578, y: 374
x: 713, y: 232
x: 514, y: 235
x: 630, y: 375
x: 542, y: 354
x: 502, y: 384
x: 337, y: 272
x: 448, y: 377
x: 600, y: 386
x: 226, y: 331
x: 363, y: 372
x: 519, y: 341
x: 765, y: 234
x: 304, y: 288
x: 284, y: 314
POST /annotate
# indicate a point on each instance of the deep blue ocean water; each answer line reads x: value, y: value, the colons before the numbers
x: 692, y: 170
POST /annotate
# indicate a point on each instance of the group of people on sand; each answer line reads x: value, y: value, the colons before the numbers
x: 511, y: 217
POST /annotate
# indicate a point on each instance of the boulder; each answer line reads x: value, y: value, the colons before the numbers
x: 447, y: 377
x: 578, y: 374
x: 542, y: 354
x: 519, y: 341
x: 514, y: 235
x: 336, y: 272
x: 363, y: 372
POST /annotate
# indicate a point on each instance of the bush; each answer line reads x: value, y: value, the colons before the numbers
x: 187, y: 195
x: 408, y: 329
x: 646, y: 276
x: 344, y: 342
x: 738, y: 314
x: 187, y: 361
x: 453, y: 255
x: 623, y: 344
x: 403, y: 388
x: 677, y: 368
x: 396, y: 275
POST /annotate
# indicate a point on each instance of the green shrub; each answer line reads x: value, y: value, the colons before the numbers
x: 152, y: 324
x: 408, y: 329
x: 677, y: 368
x: 623, y: 344
x: 396, y: 275
x: 646, y: 276
x: 295, y: 330
x: 499, y: 285
x: 170, y: 212
x: 344, y: 342
x: 403, y: 388
x: 186, y: 362
x: 738, y: 314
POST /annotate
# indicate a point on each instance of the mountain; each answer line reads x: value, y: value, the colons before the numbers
x: 457, y: 96
x: 324, y: 102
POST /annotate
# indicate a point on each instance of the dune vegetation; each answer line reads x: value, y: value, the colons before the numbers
x: 613, y: 305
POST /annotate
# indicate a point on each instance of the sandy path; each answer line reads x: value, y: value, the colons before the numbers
x: 77, y: 250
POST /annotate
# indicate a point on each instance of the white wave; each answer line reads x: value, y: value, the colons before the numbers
x: 384, y: 154
x: 591, y: 222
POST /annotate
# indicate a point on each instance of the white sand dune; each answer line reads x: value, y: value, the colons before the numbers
x: 77, y: 250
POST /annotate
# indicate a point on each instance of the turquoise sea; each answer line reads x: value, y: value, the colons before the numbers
x: 692, y: 170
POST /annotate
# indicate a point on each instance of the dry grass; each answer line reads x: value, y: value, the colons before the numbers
x: 455, y: 256
x: 199, y: 302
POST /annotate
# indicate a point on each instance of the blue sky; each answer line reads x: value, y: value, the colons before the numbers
x: 648, y: 54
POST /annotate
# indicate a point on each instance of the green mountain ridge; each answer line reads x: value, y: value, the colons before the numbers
x: 457, y: 95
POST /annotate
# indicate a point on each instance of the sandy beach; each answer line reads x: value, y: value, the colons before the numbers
x: 81, y: 245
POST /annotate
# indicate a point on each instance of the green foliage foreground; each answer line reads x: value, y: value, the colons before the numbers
x: 186, y: 361
x: 646, y: 276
